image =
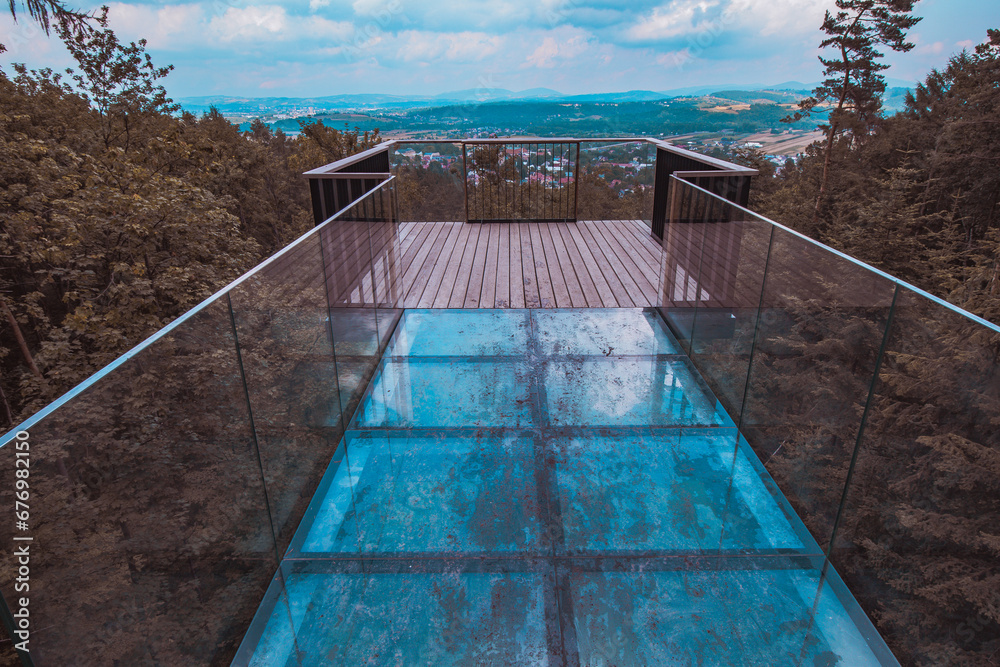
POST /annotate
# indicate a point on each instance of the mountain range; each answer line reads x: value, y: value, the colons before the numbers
x: 785, y: 91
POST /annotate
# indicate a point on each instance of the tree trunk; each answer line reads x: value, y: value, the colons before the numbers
x: 834, y: 116
x: 20, y: 338
x: 6, y: 406
x: 826, y: 170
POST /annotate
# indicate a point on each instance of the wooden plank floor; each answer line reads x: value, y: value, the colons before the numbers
x: 591, y: 264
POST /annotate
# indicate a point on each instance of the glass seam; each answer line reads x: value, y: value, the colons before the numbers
x: 253, y: 429
x: 746, y: 380
x: 329, y: 328
x: 861, y: 427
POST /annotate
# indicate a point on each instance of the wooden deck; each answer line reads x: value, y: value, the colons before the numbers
x: 592, y: 264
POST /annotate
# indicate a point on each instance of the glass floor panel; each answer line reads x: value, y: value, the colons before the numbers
x: 469, y: 333
x: 627, y: 392
x: 550, y: 487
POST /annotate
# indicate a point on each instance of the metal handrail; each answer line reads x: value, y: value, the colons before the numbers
x: 720, y: 165
x: 732, y: 178
x: 348, y: 161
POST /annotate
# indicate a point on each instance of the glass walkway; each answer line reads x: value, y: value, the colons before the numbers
x: 550, y: 487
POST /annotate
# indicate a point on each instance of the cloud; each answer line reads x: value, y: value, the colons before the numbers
x: 554, y: 50
x: 934, y: 48
x: 779, y: 17
x: 425, y: 47
x: 681, y: 17
x: 27, y: 43
x: 271, y: 23
x: 165, y: 27
x: 379, y: 8
x: 731, y: 20
x: 675, y: 58
x: 573, y: 45
x: 263, y: 22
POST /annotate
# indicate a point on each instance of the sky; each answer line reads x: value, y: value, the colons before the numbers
x: 313, y: 48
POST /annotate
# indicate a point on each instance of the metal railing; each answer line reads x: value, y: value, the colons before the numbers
x: 525, y: 179
x: 518, y: 181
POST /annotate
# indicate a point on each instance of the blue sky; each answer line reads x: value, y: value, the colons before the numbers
x: 263, y: 48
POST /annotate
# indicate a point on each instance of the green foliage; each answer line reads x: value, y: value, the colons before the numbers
x: 116, y: 215
x: 118, y: 80
x: 919, y: 198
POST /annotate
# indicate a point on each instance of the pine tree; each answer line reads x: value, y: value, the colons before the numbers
x: 853, y: 79
x: 49, y: 13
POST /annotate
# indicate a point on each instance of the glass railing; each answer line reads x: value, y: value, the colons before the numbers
x: 163, y: 491
x: 873, y: 405
x: 430, y: 178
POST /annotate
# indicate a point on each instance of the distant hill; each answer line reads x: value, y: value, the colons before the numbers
x: 758, y: 96
x: 227, y: 104
x: 895, y: 99
x: 491, y: 94
x: 788, y: 91
x: 628, y: 96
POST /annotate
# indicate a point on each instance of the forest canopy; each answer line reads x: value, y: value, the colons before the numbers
x: 916, y: 193
x: 118, y: 213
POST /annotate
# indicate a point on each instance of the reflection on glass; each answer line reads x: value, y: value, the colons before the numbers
x: 819, y: 332
x: 666, y: 492
x: 745, y: 616
x: 628, y: 392
x: 601, y: 332
x: 731, y: 279
x: 281, y: 317
x: 146, y: 496
x: 466, y: 333
x: 411, y: 617
x: 464, y: 393
x: 918, y: 539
